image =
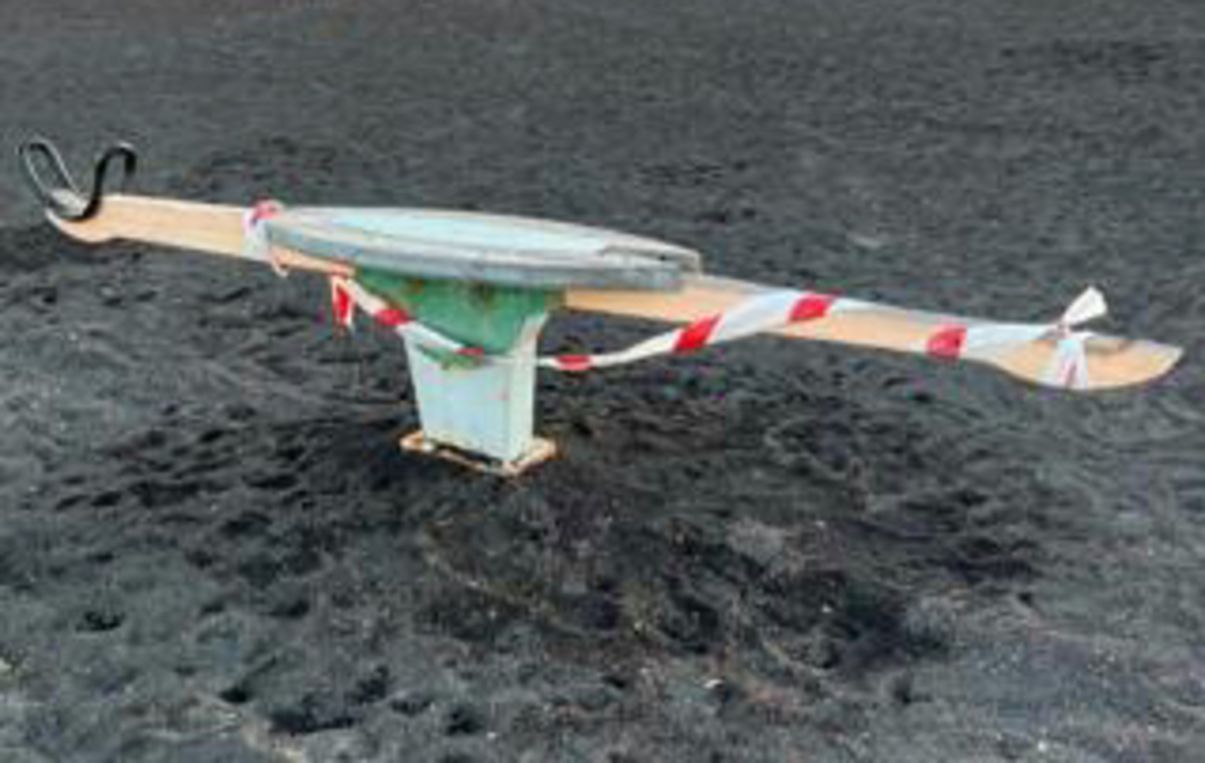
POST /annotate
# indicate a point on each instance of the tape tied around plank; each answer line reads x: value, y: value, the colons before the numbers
x: 757, y: 314
x: 760, y: 313
x: 1068, y: 366
x: 765, y: 311
x: 256, y: 245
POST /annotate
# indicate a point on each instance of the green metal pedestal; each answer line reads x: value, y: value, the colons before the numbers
x: 482, y: 409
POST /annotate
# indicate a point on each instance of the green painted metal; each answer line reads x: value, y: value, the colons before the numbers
x: 482, y: 315
x: 486, y: 409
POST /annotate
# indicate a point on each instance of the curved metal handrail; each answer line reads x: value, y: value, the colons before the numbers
x: 62, y: 197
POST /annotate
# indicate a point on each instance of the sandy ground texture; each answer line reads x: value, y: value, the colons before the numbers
x: 210, y: 549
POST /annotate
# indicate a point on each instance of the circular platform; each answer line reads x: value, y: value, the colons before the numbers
x: 484, y: 248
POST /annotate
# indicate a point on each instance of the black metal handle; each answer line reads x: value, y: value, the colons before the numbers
x: 62, y: 197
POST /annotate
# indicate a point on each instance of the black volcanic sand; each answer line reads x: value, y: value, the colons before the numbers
x: 211, y: 549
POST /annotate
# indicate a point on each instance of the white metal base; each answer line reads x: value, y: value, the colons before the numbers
x: 488, y: 410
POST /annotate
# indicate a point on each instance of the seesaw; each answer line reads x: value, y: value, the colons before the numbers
x: 469, y: 293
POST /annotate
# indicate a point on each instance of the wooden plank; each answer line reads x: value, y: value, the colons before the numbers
x: 218, y: 229
x: 1112, y: 361
x: 211, y: 228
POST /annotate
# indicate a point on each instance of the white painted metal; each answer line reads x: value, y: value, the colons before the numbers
x: 488, y: 410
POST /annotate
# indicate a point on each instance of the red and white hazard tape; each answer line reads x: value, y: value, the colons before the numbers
x: 760, y: 313
x: 255, y: 235
x: 765, y: 312
x: 347, y: 295
x: 1068, y: 368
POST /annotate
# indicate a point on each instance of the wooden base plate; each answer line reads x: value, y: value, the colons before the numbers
x: 540, y: 451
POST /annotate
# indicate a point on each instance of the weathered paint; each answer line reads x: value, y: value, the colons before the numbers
x: 488, y: 410
x: 482, y: 248
x: 486, y: 316
x: 485, y: 409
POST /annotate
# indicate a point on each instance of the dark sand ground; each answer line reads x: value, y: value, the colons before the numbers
x: 210, y: 549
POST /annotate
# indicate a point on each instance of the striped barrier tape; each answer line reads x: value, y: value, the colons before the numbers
x: 1068, y: 367
x: 758, y: 314
x: 347, y: 295
x: 255, y: 236
x: 762, y: 312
